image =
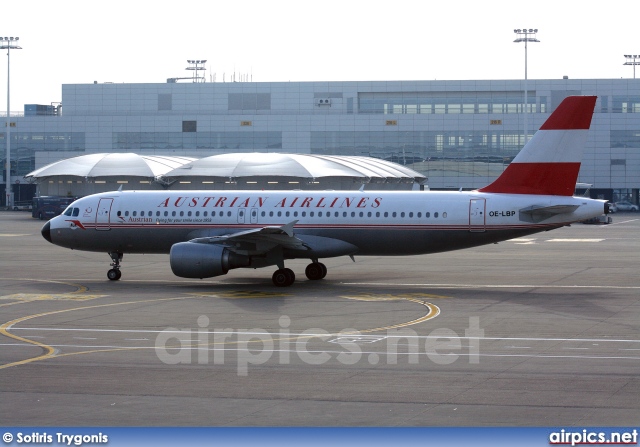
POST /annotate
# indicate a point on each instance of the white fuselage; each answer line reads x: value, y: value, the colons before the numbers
x: 376, y: 222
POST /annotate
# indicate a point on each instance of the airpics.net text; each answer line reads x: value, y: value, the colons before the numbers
x: 315, y: 346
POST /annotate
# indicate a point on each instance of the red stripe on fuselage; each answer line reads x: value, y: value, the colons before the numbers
x: 554, y: 179
x: 575, y: 112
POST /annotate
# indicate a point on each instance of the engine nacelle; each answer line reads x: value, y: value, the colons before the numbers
x: 195, y: 260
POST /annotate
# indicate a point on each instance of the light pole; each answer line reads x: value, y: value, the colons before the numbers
x: 523, y: 36
x: 196, y: 65
x: 632, y: 61
x: 8, y: 43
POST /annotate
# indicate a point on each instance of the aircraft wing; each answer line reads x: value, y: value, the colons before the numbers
x: 538, y: 213
x: 257, y: 240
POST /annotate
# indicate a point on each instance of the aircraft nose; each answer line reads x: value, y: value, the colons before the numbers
x: 46, y: 231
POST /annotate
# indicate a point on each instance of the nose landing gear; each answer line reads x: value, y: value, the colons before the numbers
x: 115, y: 274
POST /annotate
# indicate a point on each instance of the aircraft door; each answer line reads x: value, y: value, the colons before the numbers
x: 254, y: 215
x: 241, y: 215
x: 477, y: 215
x: 103, y: 214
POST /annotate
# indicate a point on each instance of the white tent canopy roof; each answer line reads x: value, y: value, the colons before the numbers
x: 230, y: 166
x: 308, y: 166
x: 111, y: 165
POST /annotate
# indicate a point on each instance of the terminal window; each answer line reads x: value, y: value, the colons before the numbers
x: 189, y: 126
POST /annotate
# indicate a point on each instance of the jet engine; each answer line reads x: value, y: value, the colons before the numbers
x: 196, y: 260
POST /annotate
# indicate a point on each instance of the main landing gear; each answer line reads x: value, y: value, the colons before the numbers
x: 115, y: 274
x: 284, y: 277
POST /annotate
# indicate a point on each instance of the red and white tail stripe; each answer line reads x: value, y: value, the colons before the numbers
x: 549, y: 163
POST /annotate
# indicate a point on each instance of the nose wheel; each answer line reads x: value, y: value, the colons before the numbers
x: 115, y: 274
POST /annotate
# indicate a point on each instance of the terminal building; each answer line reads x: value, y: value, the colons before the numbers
x: 457, y: 134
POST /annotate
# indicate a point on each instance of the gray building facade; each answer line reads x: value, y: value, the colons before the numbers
x: 459, y: 134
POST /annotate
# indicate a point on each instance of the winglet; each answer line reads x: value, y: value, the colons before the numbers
x: 549, y: 163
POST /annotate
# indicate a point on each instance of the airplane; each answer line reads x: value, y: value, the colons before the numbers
x: 207, y: 233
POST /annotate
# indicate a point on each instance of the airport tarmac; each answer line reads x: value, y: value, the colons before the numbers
x: 539, y: 331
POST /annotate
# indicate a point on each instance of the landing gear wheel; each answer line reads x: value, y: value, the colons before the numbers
x: 324, y: 269
x: 115, y: 274
x: 283, y: 277
x: 315, y: 271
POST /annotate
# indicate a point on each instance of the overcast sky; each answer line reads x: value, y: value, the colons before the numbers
x: 135, y: 41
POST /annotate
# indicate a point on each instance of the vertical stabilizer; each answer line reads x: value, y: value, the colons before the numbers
x: 549, y: 163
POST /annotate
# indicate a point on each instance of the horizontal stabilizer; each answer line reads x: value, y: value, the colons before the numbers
x: 538, y: 213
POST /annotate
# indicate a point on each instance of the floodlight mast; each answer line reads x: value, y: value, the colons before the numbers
x: 196, y: 65
x: 631, y: 60
x: 8, y: 43
x: 524, y: 37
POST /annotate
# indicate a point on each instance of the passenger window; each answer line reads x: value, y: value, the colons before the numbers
x: 377, y: 213
x: 228, y: 213
x: 344, y: 214
x: 444, y: 215
x: 157, y: 213
x: 204, y: 214
x: 126, y: 213
x: 141, y: 213
x: 402, y: 214
x: 386, y: 214
x: 419, y: 215
x: 410, y: 214
x: 393, y: 214
x: 119, y: 213
x: 181, y: 213
x: 435, y: 215
x: 189, y: 214
x: 166, y: 213
x: 134, y: 213
x: 427, y: 214
x: 173, y: 213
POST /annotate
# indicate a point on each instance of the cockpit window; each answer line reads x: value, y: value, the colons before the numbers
x: 71, y: 211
